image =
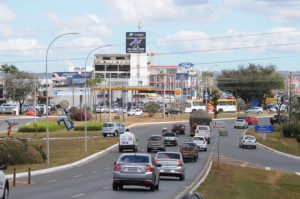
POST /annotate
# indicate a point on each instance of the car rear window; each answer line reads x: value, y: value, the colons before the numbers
x: 240, y: 120
x: 108, y: 125
x: 168, y: 156
x: 134, y: 159
x: 190, y: 144
x: 249, y: 138
x: 155, y: 138
x: 198, y: 138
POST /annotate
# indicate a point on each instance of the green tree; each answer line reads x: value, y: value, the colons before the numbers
x: 152, y: 108
x: 5, y: 68
x: 92, y: 83
x: 19, y: 86
x: 252, y: 82
x: 215, y: 96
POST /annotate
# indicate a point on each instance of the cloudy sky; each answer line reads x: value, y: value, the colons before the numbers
x: 212, y: 34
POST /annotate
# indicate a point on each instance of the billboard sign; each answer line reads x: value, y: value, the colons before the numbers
x: 186, y: 65
x: 264, y: 129
x: 135, y: 42
x: 182, y: 76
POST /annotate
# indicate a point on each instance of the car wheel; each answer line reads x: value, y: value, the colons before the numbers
x: 120, y: 150
x: 127, y: 130
x: 5, y: 193
x: 254, y: 147
x: 148, y: 150
x: 181, y: 177
x: 152, y: 187
x: 121, y: 186
x: 242, y: 146
x: 115, y: 186
x: 116, y: 133
x: 157, y: 186
x: 205, y: 149
x: 104, y: 135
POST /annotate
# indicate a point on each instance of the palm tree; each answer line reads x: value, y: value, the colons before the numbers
x: 9, y: 68
x: 92, y: 83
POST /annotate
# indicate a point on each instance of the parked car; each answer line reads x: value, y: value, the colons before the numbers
x: 102, y: 109
x: 170, y: 138
x: 178, y: 128
x: 4, y: 185
x: 7, y: 108
x: 155, y: 142
x: 251, y: 120
x: 32, y: 112
x: 173, y: 111
x: 274, y: 119
x: 255, y: 110
x: 247, y: 141
x: 135, y: 169
x: 135, y: 112
x: 113, y: 128
x: 171, y: 164
x: 189, y: 150
x: 240, y: 123
x: 127, y: 141
x: 200, y: 141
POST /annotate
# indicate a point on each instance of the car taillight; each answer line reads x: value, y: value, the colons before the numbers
x: 179, y: 163
x: 173, y: 128
x: 119, y: 141
x: 192, y: 140
x: 148, y: 169
x: 155, y: 161
x: 181, y: 148
x: 182, y: 128
x: 203, y: 141
x: 117, y: 167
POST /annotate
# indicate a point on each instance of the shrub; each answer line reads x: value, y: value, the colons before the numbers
x: 298, y: 138
x: 291, y: 130
x: 90, y: 127
x: 79, y: 115
x: 278, y: 128
x: 41, y: 126
x: 152, y: 108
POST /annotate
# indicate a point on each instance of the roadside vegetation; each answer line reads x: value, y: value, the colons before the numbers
x: 235, y: 182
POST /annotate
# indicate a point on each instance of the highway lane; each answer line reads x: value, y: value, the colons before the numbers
x: 94, y: 179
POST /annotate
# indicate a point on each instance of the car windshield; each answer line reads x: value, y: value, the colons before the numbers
x: 108, y: 125
x: 155, y: 138
x: 198, y: 138
x: 202, y: 128
x: 240, y: 121
x: 168, y: 156
x: 134, y: 159
x: 188, y: 144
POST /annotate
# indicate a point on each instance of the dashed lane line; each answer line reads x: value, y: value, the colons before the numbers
x: 107, y: 168
x: 77, y: 176
x: 297, y: 173
x: 94, y: 171
x: 106, y: 188
x: 51, y: 181
x: 78, y: 195
x: 268, y: 168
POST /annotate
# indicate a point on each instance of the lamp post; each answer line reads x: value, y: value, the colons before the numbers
x: 126, y: 98
x: 47, y: 127
x: 85, y: 123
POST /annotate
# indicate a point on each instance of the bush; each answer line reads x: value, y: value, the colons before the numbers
x: 298, y: 138
x: 152, y: 108
x: 291, y: 130
x: 20, y: 152
x: 40, y: 126
x: 278, y: 128
x: 90, y: 127
x: 79, y: 115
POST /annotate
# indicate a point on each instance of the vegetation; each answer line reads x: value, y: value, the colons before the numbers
x: 235, y: 182
x: 40, y: 126
x: 215, y: 96
x: 90, y: 127
x: 5, y: 68
x: 79, y: 115
x: 252, y: 82
x: 152, y: 108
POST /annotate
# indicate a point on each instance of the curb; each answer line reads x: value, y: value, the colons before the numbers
x: 279, y: 152
x: 202, y: 179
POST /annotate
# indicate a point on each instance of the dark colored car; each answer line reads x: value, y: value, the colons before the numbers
x: 178, y: 128
x: 189, y: 150
x: 173, y: 111
x: 170, y: 138
x: 155, y: 142
x: 251, y: 120
x: 274, y: 119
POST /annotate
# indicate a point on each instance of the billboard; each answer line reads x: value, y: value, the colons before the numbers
x: 186, y: 65
x: 135, y: 42
x: 182, y: 76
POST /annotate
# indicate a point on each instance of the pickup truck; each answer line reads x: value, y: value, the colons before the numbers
x: 189, y: 150
x: 203, y: 130
x: 170, y: 138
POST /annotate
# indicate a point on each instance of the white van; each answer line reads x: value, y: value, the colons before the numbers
x: 127, y: 141
x: 203, y: 130
x: 4, y: 185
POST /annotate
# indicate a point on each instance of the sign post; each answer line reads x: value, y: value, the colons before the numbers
x: 264, y: 129
x: 220, y: 125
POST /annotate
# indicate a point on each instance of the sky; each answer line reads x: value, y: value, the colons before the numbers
x: 212, y: 34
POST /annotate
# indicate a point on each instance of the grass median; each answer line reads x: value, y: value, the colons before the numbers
x: 235, y: 182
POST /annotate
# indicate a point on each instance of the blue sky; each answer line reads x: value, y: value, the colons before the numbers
x: 217, y: 34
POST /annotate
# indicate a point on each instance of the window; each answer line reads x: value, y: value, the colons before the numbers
x: 155, y: 138
x: 120, y: 58
x: 168, y: 156
x: 106, y: 58
x: 124, y: 68
x: 134, y: 159
x: 99, y: 67
x: 112, y: 68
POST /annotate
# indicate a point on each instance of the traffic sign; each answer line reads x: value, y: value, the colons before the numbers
x: 264, y: 129
x: 223, y: 133
x: 219, y: 125
x: 186, y: 65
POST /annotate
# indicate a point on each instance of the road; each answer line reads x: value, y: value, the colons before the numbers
x: 94, y: 179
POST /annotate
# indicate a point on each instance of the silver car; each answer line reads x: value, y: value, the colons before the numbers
x: 113, y: 128
x: 136, y: 169
x: 247, y: 141
x: 171, y: 164
x: 240, y: 123
x: 155, y: 142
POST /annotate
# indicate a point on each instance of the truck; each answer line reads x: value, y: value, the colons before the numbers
x: 200, y: 118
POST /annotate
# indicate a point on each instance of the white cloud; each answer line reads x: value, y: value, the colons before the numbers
x: 87, y: 25
x: 279, y: 11
x: 145, y: 11
x: 21, y: 47
x: 5, y: 30
x: 6, y: 14
x: 233, y: 41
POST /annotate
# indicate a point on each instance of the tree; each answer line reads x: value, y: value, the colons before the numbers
x: 152, y: 108
x: 20, y: 85
x: 9, y: 68
x: 215, y: 96
x: 252, y: 82
x: 92, y: 83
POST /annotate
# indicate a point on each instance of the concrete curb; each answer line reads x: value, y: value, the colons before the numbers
x: 279, y: 152
x: 202, y: 179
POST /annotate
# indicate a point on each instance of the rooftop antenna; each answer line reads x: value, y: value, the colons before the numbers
x: 139, y: 26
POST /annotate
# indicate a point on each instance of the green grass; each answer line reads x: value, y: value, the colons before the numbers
x: 234, y: 182
x: 41, y: 126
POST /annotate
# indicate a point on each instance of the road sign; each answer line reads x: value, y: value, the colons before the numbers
x: 186, y: 65
x: 219, y: 125
x: 223, y: 133
x: 264, y: 129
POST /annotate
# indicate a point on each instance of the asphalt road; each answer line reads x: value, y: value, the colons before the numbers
x: 94, y: 179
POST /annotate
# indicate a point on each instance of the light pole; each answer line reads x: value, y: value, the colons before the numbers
x: 47, y: 127
x: 126, y: 97
x: 85, y: 123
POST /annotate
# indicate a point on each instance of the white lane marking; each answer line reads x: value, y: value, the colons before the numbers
x: 94, y: 171
x: 51, y: 181
x: 78, y: 195
x: 297, y: 173
x: 77, y: 176
x: 107, y: 168
x: 106, y: 188
x: 268, y: 168
x: 244, y: 164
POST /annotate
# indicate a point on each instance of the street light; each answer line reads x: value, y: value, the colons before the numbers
x: 47, y: 128
x: 85, y: 123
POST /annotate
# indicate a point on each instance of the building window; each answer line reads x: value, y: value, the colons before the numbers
x: 120, y: 58
x: 112, y: 68
x: 99, y: 67
x: 124, y: 68
x: 106, y: 58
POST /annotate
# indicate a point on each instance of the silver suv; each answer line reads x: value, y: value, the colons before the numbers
x: 113, y: 128
x: 4, y: 185
x: 155, y: 142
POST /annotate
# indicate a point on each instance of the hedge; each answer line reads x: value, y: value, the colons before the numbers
x: 41, y: 127
x: 90, y: 127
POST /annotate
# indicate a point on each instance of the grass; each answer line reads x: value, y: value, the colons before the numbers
x: 278, y: 142
x: 234, y: 182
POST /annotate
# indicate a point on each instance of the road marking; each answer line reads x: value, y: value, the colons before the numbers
x: 94, y: 171
x: 51, y: 181
x: 78, y: 195
x: 244, y: 164
x: 107, y: 168
x: 268, y: 168
x: 77, y: 176
x: 297, y: 173
x: 106, y: 188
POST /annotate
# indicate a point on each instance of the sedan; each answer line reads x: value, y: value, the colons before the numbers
x: 254, y: 110
x: 251, y: 120
x: 178, y: 128
x: 247, y: 141
x: 136, y: 169
x: 171, y: 164
x: 200, y: 141
x: 240, y: 123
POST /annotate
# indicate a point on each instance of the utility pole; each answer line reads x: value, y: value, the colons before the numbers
x: 290, y: 97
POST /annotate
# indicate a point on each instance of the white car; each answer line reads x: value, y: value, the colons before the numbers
x: 4, y: 185
x: 200, y: 141
x: 127, y: 141
x: 203, y: 130
x: 247, y: 141
x: 240, y: 123
x: 135, y: 112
